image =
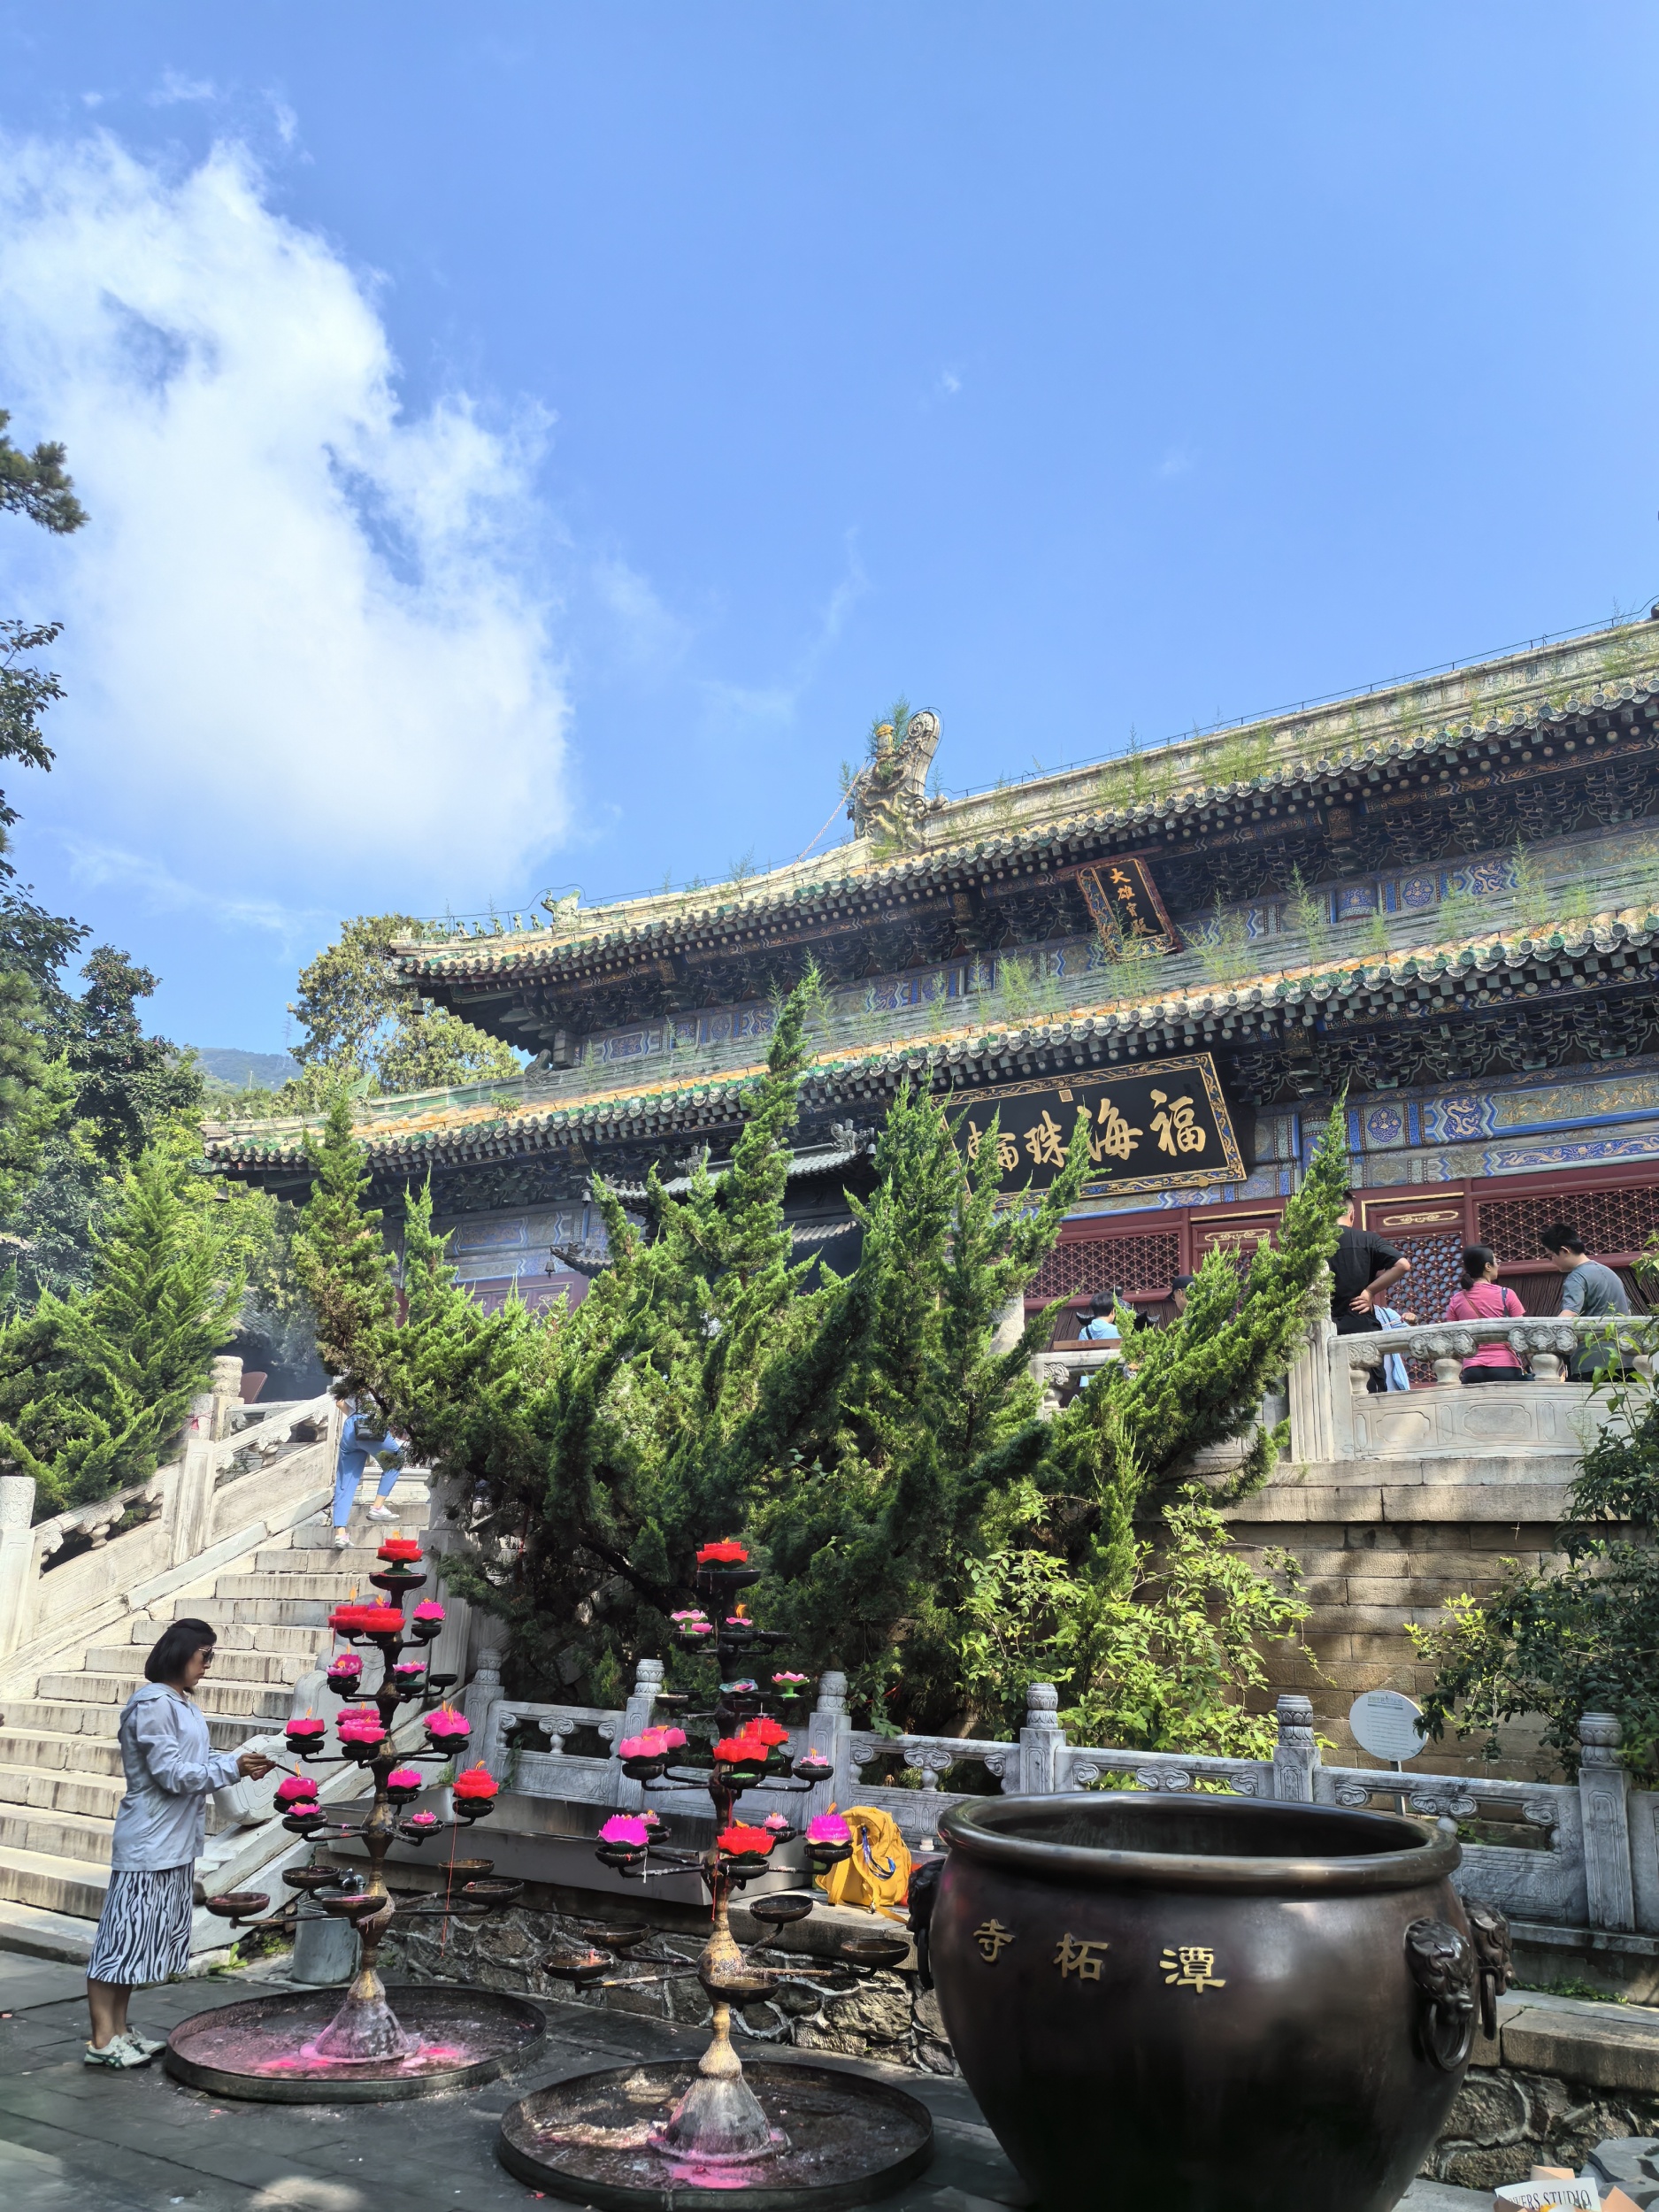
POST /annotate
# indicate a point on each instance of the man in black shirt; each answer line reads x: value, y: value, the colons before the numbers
x: 1363, y: 1269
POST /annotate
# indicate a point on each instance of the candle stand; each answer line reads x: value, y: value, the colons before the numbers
x: 694, y: 2136
x: 309, y: 2047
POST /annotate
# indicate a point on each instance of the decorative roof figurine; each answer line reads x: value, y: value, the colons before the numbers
x: 887, y: 799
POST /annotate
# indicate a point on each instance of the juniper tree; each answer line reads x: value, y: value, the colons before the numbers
x: 94, y: 1385
x: 886, y: 1461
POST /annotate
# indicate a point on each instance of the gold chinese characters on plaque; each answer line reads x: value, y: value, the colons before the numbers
x: 1124, y: 907
x: 1164, y: 1124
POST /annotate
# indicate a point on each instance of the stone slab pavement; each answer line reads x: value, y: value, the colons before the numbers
x: 76, y: 2140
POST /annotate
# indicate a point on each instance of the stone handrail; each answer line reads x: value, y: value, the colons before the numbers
x: 1588, y: 1854
x: 202, y: 1515
x: 1543, y: 1344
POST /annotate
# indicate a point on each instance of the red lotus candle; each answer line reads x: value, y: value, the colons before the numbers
x: 740, y: 1751
x: 429, y: 1611
x: 764, y: 1729
x: 299, y: 1789
x: 306, y: 1731
x: 476, y: 1783
x: 349, y: 1619
x: 382, y: 1620
x: 445, y: 1725
x: 738, y: 1842
x: 402, y: 1551
x: 725, y: 1554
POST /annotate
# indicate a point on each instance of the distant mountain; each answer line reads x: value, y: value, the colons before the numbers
x: 246, y: 1070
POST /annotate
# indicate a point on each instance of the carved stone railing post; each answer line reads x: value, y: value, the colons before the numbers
x: 1296, y: 1753
x: 636, y: 1717
x: 1604, y: 1796
x: 1313, y: 1427
x: 192, y: 1497
x: 828, y: 1733
x: 1042, y: 1741
x: 17, y: 1558
x: 482, y: 1695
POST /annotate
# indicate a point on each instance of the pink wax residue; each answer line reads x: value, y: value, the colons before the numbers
x: 309, y: 2060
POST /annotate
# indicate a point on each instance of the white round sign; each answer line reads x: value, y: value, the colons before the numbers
x: 1387, y: 1723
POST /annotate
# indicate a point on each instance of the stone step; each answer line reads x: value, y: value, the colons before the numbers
x: 65, y: 1885
x: 60, y: 1790
x: 229, y: 1666
x: 62, y: 1716
x: 233, y: 1636
x: 252, y: 1700
x: 55, y: 1835
x: 353, y: 1564
x: 333, y: 1587
x: 257, y: 1612
x: 55, y: 1754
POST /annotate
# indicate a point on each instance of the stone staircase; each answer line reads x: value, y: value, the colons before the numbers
x: 60, y: 1770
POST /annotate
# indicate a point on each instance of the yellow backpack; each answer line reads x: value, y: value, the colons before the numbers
x: 878, y: 1875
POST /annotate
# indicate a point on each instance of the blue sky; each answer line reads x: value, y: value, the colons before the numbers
x: 526, y: 444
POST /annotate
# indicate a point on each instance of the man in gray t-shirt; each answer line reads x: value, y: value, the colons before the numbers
x: 1590, y: 1288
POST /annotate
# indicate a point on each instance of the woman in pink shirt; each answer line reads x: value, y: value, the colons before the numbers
x: 1483, y: 1299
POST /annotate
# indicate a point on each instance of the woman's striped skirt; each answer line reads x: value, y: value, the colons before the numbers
x: 144, y: 1929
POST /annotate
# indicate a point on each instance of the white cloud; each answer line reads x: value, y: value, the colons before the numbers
x: 950, y: 384
x: 175, y: 89
x: 775, y: 704
x: 1180, y: 460
x: 298, y: 615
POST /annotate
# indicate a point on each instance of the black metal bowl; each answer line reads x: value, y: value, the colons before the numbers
x: 781, y: 1912
x: 238, y: 1904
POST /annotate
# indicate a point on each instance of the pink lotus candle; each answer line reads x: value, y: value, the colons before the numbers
x: 429, y: 1611
x: 421, y: 1820
x: 299, y: 1789
x: 302, y: 1733
x: 405, y: 1778
x: 790, y: 1683
x: 445, y: 1725
x: 345, y: 1663
x: 408, y: 1671
x: 828, y: 1828
x: 775, y: 1822
x: 476, y: 1783
x: 360, y: 1729
x: 630, y: 1831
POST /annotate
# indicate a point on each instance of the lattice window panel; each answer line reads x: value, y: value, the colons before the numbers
x: 1125, y: 1263
x: 1608, y: 1220
x: 1437, y: 1270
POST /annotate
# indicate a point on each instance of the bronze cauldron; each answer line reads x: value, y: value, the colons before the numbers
x: 1229, y: 2006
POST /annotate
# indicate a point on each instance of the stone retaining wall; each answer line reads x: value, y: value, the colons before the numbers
x: 888, y: 2016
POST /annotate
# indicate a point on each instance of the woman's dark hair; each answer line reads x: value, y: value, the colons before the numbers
x: 1477, y: 1259
x: 174, y: 1649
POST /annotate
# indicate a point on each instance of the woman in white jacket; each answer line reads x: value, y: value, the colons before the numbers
x: 160, y: 1825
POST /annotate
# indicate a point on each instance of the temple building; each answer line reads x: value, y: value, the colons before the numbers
x: 1432, y: 899
x: 1437, y: 902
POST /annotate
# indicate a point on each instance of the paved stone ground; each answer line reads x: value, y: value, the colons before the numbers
x: 74, y: 2140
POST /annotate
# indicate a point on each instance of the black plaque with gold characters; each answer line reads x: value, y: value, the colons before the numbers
x: 1124, y: 907
x: 1163, y: 1126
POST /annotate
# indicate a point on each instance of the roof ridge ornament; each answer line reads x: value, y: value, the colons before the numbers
x: 887, y: 799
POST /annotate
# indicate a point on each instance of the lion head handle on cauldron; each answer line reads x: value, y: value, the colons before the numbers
x: 1494, y: 1964
x: 1442, y: 1963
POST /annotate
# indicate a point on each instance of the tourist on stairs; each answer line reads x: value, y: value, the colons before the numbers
x: 362, y: 1437
x: 1482, y: 1298
x: 160, y: 1825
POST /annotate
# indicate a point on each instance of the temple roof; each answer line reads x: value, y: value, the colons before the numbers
x: 1437, y: 740
x: 1518, y: 979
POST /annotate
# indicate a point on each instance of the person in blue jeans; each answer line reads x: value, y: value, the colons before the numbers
x: 363, y: 1436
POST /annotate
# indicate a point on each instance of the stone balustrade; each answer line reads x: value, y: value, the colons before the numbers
x: 150, y: 1536
x: 1585, y: 1853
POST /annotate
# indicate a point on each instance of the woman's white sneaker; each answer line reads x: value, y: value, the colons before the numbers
x: 342, y: 1539
x: 146, y: 2046
x: 118, y: 2051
